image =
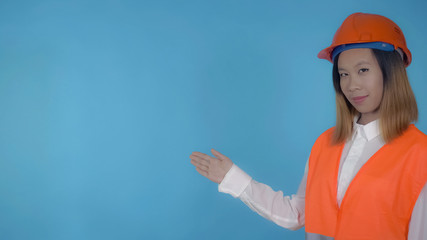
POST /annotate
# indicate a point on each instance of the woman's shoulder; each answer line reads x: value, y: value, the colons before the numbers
x: 327, y: 134
x: 415, y: 132
x: 416, y: 136
x: 325, y: 137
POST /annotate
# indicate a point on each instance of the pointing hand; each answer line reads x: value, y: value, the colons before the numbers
x: 213, y: 168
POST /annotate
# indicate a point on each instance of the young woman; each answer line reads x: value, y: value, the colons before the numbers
x: 366, y: 177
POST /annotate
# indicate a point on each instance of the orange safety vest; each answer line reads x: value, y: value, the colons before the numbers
x: 378, y: 202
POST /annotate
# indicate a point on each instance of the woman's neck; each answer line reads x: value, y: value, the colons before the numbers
x: 366, y: 118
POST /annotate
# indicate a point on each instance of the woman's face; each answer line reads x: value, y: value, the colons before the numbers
x: 361, y: 81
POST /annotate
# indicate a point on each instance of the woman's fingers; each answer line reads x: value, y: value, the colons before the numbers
x: 203, y: 156
x: 202, y: 172
x: 199, y: 165
x: 217, y: 154
x: 200, y: 160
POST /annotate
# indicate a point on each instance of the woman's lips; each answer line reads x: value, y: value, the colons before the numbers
x: 359, y: 99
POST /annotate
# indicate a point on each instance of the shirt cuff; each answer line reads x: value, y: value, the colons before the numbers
x: 234, y: 182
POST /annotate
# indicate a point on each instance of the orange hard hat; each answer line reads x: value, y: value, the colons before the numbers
x: 359, y: 28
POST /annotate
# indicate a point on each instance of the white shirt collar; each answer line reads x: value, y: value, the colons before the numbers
x: 368, y: 131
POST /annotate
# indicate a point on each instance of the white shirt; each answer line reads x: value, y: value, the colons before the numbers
x: 289, y: 211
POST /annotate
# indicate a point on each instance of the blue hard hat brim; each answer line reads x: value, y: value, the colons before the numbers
x: 374, y: 45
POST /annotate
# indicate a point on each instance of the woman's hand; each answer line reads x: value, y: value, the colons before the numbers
x: 212, y: 168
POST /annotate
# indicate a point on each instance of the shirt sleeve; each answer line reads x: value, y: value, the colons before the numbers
x: 417, y: 226
x: 234, y: 182
x: 285, y: 211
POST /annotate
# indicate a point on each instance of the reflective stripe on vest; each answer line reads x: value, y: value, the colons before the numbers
x: 378, y: 202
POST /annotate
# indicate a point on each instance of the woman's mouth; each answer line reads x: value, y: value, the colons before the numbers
x: 359, y: 99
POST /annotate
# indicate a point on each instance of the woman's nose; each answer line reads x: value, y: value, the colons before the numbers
x: 354, y: 83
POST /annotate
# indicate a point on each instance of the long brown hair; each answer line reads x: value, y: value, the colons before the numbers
x: 398, y: 108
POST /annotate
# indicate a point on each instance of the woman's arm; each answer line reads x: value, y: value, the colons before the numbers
x: 417, y: 226
x: 286, y: 211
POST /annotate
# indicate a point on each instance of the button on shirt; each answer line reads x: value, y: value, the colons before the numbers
x: 289, y: 211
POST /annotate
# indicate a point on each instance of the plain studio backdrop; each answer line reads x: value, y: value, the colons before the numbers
x: 102, y: 102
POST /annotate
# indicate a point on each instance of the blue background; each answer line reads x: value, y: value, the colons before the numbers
x: 102, y: 102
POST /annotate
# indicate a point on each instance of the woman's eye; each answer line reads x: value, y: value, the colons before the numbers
x: 343, y: 74
x: 364, y: 70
